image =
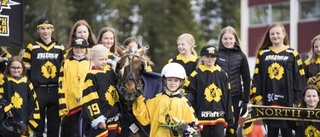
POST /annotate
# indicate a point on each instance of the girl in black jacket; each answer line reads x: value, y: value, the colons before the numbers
x: 232, y: 60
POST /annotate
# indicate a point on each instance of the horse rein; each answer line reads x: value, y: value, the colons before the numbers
x: 138, y: 86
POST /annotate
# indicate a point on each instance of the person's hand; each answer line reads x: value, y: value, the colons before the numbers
x: 102, y: 125
x: 312, y: 80
x: 10, y: 114
x: 260, y: 103
x: 294, y: 105
x: 243, y: 109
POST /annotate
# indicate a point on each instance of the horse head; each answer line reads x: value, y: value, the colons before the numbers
x: 129, y: 70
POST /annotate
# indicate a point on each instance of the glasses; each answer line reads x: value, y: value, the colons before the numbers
x: 15, y: 68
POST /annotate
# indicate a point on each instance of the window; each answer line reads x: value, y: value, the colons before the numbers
x: 309, y: 9
x: 281, y: 12
x: 258, y: 15
x: 268, y: 13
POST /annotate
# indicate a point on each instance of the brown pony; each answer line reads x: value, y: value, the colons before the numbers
x: 130, y: 69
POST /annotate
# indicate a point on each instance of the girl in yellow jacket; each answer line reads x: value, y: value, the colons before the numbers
x: 72, y: 73
x: 169, y: 110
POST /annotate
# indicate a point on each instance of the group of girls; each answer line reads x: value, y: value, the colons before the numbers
x: 210, y: 90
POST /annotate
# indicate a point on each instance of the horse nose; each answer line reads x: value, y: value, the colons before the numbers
x: 130, y: 85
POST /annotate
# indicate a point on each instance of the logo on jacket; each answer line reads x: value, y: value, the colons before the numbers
x: 112, y: 95
x: 49, y: 70
x: 274, y: 97
x: 16, y: 100
x: 212, y: 92
x: 275, y: 71
x: 311, y: 131
x: 212, y: 113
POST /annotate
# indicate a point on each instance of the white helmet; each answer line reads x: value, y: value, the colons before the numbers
x: 173, y: 70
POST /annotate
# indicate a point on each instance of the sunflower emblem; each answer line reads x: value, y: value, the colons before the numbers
x: 212, y: 92
x: 311, y: 131
x: 275, y: 71
x: 48, y: 70
x: 112, y: 95
x: 16, y: 100
x: 165, y: 116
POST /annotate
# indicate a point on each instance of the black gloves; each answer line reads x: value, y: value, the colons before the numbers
x: 243, y: 109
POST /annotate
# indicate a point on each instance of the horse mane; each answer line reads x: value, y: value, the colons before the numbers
x: 142, y: 53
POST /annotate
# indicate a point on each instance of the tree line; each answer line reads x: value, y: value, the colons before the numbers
x: 157, y: 22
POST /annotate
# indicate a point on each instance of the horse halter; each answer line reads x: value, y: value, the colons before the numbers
x: 129, y: 62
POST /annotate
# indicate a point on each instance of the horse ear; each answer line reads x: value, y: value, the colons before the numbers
x: 120, y: 51
x: 143, y: 51
x: 143, y: 66
x: 117, y: 68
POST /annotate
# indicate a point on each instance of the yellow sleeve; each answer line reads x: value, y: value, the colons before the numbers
x: 190, y: 115
x: 140, y: 111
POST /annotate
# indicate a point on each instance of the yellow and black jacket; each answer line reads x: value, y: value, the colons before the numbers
x: 43, y: 61
x: 208, y: 90
x: 100, y: 101
x: 189, y: 64
x: 312, y: 69
x: 71, y: 79
x: 307, y: 129
x: 161, y: 110
x: 20, y: 99
x: 279, y: 77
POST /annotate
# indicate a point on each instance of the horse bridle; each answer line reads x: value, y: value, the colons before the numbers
x: 131, y: 76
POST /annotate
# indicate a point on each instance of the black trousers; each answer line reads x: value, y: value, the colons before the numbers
x: 213, y: 131
x: 274, y: 131
x: 49, y: 108
x: 70, y: 126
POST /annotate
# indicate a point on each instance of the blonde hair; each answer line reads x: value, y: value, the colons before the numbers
x: 190, y: 40
x: 98, y: 50
x: 232, y: 31
x: 313, y: 56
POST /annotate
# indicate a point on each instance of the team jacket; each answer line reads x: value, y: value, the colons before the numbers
x: 20, y: 99
x: 100, y: 101
x: 189, y: 64
x: 312, y: 69
x: 307, y: 129
x: 208, y: 90
x: 161, y: 110
x: 278, y: 78
x: 71, y: 79
x: 43, y: 61
x: 235, y: 63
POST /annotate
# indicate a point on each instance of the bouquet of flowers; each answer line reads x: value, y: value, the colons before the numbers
x: 182, y: 129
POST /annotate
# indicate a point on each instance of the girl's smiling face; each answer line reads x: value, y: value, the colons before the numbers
x: 316, y: 47
x: 228, y: 40
x: 184, y: 47
x: 16, y: 69
x: 209, y: 60
x: 79, y: 51
x: 172, y: 83
x: 311, y: 98
x: 276, y: 35
x: 82, y: 32
x: 107, y: 39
